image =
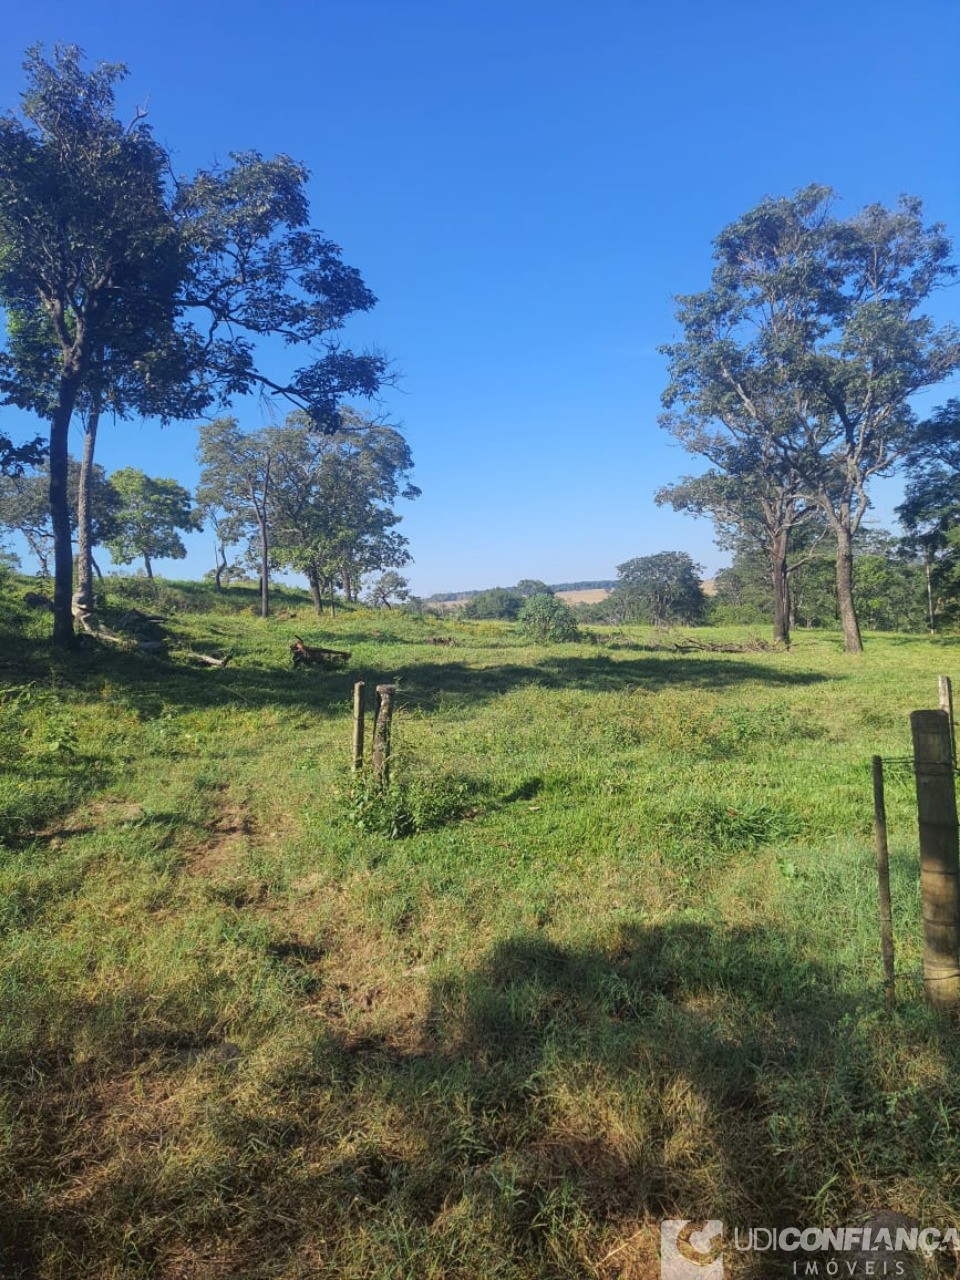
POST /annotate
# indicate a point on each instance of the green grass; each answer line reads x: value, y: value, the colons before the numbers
x: 606, y: 951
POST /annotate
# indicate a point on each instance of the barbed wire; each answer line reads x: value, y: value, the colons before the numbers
x: 937, y: 769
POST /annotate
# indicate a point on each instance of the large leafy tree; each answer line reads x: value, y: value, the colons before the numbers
x: 495, y: 602
x: 660, y: 589
x: 127, y: 291
x: 807, y: 348
x: 152, y: 514
x: 336, y: 516
x: 90, y: 258
x: 320, y: 504
x: 389, y: 586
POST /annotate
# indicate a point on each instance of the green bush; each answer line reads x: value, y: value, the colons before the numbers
x: 548, y: 620
x: 498, y: 602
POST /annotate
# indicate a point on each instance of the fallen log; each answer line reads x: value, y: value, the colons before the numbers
x: 687, y: 644
x: 305, y: 655
x: 205, y: 657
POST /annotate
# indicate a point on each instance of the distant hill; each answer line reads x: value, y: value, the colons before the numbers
x: 450, y: 597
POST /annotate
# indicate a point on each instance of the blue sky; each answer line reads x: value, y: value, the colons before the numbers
x: 525, y: 186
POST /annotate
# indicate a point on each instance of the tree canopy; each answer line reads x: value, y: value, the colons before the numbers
x: 127, y: 290
x: 25, y: 508
x: 659, y: 589
x: 152, y: 514
x: 794, y: 370
x: 319, y: 504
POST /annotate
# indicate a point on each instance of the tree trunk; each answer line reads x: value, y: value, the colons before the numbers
x: 931, y: 613
x: 333, y: 597
x: 63, y: 633
x: 313, y: 577
x: 96, y: 569
x: 781, y: 590
x: 84, y: 593
x: 264, y: 569
x: 219, y: 564
x: 261, y: 510
x: 148, y: 566
x: 347, y: 584
x: 852, y: 640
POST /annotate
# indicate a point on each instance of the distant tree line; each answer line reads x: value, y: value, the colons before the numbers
x: 279, y: 498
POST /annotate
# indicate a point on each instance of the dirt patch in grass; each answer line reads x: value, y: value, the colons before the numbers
x: 224, y: 842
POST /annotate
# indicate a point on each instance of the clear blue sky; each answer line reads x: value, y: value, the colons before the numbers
x: 525, y: 185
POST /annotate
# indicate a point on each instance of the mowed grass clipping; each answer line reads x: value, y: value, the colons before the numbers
x: 605, y: 952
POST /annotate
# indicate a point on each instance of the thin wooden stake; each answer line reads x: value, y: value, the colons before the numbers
x: 883, y: 876
x: 381, y: 732
x: 358, y: 726
x: 946, y: 704
x: 939, y: 857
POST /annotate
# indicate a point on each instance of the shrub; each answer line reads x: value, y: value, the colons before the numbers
x: 549, y: 620
x: 418, y: 801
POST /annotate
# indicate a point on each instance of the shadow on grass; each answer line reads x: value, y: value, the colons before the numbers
x: 421, y: 683
x: 685, y: 1070
x: 177, y: 684
x: 554, y: 1102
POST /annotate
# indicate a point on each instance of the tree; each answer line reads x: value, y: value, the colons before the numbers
x: 153, y: 513
x: 107, y: 265
x: 334, y: 501
x: 660, y: 589
x: 888, y: 583
x: 930, y: 512
x: 320, y: 504
x: 807, y: 348
x: 532, y: 587
x: 547, y: 619
x: 752, y: 502
x: 497, y: 602
x: 389, y: 586
x: 743, y: 588
x: 90, y: 258
x: 25, y: 508
x: 235, y: 488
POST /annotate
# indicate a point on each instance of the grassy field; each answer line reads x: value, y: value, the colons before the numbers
x: 605, y: 952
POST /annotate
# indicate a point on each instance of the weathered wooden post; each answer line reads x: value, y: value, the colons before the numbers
x: 883, y: 876
x: 382, y: 717
x: 946, y: 704
x: 939, y: 856
x: 358, y: 726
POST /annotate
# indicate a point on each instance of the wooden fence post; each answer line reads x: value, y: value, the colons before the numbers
x: 381, y: 732
x: 946, y: 704
x: 939, y: 856
x: 883, y: 876
x: 358, y: 726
